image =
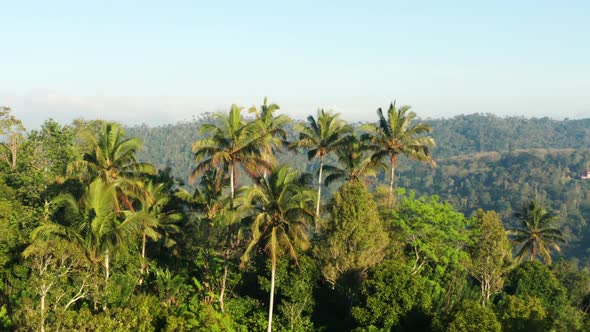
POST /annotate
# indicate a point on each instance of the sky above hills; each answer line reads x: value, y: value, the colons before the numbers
x: 165, y: 61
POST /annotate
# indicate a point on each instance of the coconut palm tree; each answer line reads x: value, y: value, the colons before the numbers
x: 534, y: 234
x: 355, y: 163
x: 271, y: 130
x: 208, y: 198
x: 153, y: 200
x: 396, y: 135
x: 281, y: 215
x: 231, y: 142
x: 93, y: 223
x: 320, y: 137
x: 218, y: 222
x: 109, y: 156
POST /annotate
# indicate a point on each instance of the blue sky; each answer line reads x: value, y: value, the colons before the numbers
x: 165, y: 61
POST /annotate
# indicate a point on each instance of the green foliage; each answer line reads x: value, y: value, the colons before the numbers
x: 195, y: 315
x: 535, y: 279
x: 295, y: 293
x: 5, y: 322
x: 522, y: 314
x: 248, y: 313
x: 568, y: 318
x: 432, y: 232
x: 473, y: 317
x: 392, y: 297
x: 355, y: 237
x: 490, y: 254
x: 576, y: 281
x: 118, y: 248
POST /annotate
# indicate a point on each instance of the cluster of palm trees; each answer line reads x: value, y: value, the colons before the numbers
x: 120, y: 202
x: 278, y: 207
x: 117, y: 202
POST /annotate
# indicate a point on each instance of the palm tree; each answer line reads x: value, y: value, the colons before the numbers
x: 231, y: 143
x: 535, y: 235
x: 208, y: 200
x: 156, y: 220
x: 280, y: 219
x: 395, y: 135
x: 92, y: 222
x: 271, y: 130
x: 110, y: 157
x: 355, y: 161
x: 320, y: 138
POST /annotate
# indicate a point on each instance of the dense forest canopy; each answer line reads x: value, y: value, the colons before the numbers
x: 247, y: 220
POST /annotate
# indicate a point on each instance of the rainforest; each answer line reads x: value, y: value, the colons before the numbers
x: 249, y: 220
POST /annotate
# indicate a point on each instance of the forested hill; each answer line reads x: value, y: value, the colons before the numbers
x: 467, y: 134
x: 170, y: 145
x: 484, y: 161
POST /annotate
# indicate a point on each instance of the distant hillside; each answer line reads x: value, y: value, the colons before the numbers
x: 170, y: 145
x: 467, y: 134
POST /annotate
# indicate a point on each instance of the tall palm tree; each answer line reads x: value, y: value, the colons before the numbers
x: 280, y: 219
x: 231, y: 142
x: 396, y: 135
x: 271, y: 130
x: 156, y: 220
x: 534, y: 234
x: 355, y: 163
x: 320, y: 137
x: 109, y: 156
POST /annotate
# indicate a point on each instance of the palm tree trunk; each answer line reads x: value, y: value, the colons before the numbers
x: 317, y: 209
x: 143, y: 245
x: 272, y: 292
x: 266, y: 156
x: 43, y: 296
x: 107, y: 267
x: 231, y: 182
x: 223, y: 286
x: 391, y: 180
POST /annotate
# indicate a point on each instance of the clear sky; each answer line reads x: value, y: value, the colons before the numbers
x: 165, y: 61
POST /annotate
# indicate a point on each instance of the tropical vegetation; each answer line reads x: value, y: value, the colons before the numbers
x: 245, y: 221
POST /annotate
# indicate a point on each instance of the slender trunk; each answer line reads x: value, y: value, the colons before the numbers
x: 143, y: 265
x: 266, y: 156
x: 43, y: 309
x: 391, y: 180
x: 223, y: 285
x: 231, y: 182
x: 14, y: 151
x: 483, y: 292
x: 272, y: 292
x: 107, y: 267
x: 317, y: 209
